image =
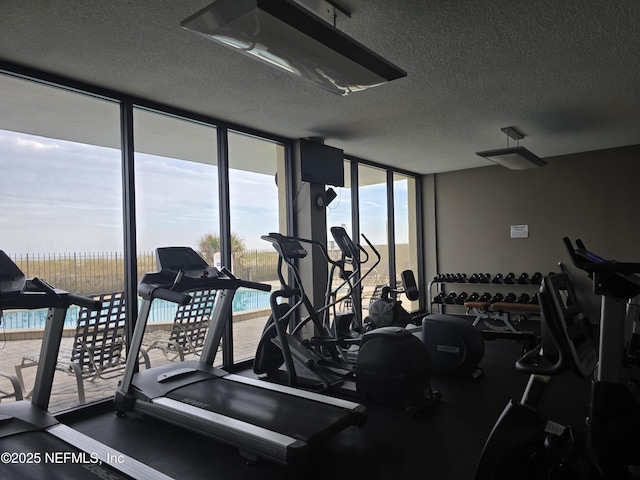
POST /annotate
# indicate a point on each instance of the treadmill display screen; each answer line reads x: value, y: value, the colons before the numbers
x: 12, y: 280
x: 175, y: 259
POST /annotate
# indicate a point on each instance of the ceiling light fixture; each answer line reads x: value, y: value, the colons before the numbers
x: 515, y: 158
x: 287, y: 35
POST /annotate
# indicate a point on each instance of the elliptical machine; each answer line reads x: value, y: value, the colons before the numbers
x: 321, y: 366
x: 398, y: 372
x: 347, y: 324
x: 524, y: 443
x: 383, y: 312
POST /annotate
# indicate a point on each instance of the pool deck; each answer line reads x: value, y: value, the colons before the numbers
x: 64, y: 394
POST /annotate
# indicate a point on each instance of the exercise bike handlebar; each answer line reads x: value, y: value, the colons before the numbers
x: 616, y: 279
x: 535, y: 362
x: 592, y: 263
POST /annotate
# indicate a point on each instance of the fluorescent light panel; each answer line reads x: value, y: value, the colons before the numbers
x: 283, y: 34
x: 515, y: 158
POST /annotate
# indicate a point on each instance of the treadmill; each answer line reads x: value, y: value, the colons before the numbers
x: 33, y: 443
x: 264, y: 420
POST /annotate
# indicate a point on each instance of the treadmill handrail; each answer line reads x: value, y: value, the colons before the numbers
x: 151, y: 283
x: 151, y: 291
x: 39, y: 294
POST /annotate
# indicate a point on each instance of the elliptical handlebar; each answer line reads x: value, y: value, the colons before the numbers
x: 373, y: 249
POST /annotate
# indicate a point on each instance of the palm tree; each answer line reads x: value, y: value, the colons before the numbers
x: 209, y: 245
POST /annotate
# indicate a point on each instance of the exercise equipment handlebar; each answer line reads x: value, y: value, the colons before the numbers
x: 151, y: 291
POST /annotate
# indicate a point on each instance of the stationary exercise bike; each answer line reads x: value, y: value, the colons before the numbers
x: 524, y: 443
x: 388, y: 310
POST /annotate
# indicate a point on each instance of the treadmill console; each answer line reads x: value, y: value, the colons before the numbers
x: 181, y: 269
x: 172, y: 260
x: 342, y: 238
x: 12, y: 280
x: 564, y: 317
x: 288, y: 247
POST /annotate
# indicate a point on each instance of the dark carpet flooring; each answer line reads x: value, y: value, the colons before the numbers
x: 444, y: 443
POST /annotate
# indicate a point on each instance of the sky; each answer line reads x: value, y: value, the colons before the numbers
x: 60, y: 196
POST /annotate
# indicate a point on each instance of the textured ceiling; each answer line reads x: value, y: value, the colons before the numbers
x: 567, y: 74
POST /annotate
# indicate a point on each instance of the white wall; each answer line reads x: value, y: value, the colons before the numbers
x: 594, y: 196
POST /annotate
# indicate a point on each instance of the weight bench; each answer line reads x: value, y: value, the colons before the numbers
x: 500, y: 319
x: 98, y: 345
x: 505, y: 313
x: 188, y: 331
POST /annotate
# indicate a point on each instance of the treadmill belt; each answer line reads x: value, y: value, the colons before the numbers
x: 38, y: 456
x: 287, y: 414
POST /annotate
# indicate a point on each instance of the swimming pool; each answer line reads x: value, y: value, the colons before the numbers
x: 161, y: 311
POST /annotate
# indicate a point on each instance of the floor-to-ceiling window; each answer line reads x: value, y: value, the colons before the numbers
x: 372, y: 220
x: 61, y: 221
x: 62, y: 192
x: 405, y: 230
x: 257, y: 201
x: 372, y: 193
x: 372, y: 202
x: 177, y: 204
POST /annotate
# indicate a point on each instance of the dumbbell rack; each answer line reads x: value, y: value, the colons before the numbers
x: 441, y: 285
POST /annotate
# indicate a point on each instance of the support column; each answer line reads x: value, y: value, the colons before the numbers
x: 310, y: 223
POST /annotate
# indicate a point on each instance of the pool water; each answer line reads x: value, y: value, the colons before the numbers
x: 161, y: 311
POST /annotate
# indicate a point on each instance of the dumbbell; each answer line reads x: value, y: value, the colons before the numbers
x: 474, y: 278
x: 439, y: 298
x: 497, y: 279
x: 510, y: 278
x: 523, y: 279
x: 536, y: 278
x: 461, y: 277
x: 523, y: 298
x: 498, y: 297
x: 451, y: 298
x: 485, y: 297
x: 510, y: 298
x: 474, y: 297
x: 534, y: 300
x: 438, y: 278
x: 461, y: 298
x: 485, y: 278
